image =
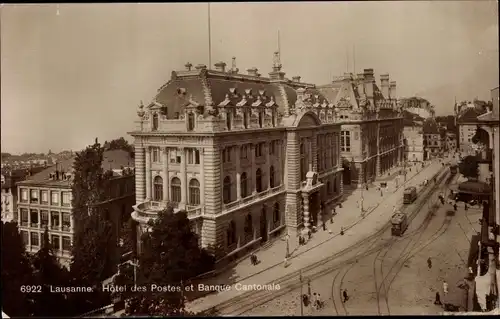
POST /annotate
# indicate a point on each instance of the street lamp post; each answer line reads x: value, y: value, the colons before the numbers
x: 135, y: 265
x: 287, y: 239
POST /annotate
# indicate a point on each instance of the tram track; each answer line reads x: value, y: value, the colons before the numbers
x: 249, y: 300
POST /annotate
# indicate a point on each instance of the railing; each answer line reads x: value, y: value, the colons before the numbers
x: 253, y: 197
x: 154, y: 207
x: 34, y: 225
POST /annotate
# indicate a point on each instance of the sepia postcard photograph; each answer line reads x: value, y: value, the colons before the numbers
x: 291, y: 158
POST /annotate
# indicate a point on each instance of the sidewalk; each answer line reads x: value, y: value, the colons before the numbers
x: 357, y: 228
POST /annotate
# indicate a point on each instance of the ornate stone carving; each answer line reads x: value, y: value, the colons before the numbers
x: 140, y: 110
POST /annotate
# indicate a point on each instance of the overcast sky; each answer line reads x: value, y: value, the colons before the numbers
x: 73, y: 72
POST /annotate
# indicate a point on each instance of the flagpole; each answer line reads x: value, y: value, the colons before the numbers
x: 209, y: 39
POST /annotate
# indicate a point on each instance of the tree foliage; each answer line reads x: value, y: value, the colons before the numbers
x: 170, y: 256
x: 48, y: 272
x: 119, y: 144
x: 16, y: 273
x: 92, y: 241
x: 469, y: 167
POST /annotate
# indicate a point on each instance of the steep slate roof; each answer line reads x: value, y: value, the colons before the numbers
x: 113, y: 159
x: 430, y: 126
x: 200, y: 84
x: 470, y: 114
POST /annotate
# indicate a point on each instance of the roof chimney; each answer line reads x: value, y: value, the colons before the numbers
x: 220, y: 66
x: 201, y: 67
x: 368, y: 74
x: 384, y: 83
x: 296, y: 79
x: 188, y: 66
x: 253, y: 71
x: 392, y: 90
x: 369, y: 80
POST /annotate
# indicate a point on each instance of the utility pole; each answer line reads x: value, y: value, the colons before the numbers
x: 301, y: 294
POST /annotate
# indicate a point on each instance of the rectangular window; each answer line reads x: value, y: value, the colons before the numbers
x: 24, y: 195
x: 45, y: 197
x: 156, y: 154
x: 24, y: 217
x: 54, y: 240
x: 175, y: 156
x: 54, y: 196
x: 34, y: 217
x: 44, y: 218
x: 34, y: 196
x: 345, y: 141
x: 244, y: 152
x: 66, y: 221
x: 66, y: 198
x: 66, y: 243
x: 25, y: 237
x: 54, y: 220
x: 193, y: 156
x: 35, y: 239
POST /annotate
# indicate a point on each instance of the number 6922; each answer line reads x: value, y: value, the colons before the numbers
x: 31, y: 288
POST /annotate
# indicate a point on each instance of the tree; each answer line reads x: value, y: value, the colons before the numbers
x: 128, y: 239
x: 170, y: 256
x: 16, y: 274
x: 119, y: 144
x: 48, y: 272
x: 93, y: 232
x: 469, y: 167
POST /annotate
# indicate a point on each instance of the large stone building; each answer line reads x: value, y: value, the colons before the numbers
x: 44, y: 200
x: 246, y: 156
x: 372, y: 125
x: 413, y: 137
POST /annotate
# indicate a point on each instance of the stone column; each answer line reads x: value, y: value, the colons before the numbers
x: 202, y: 178
x: 50, y: 221
x: 165, y: 175
x: 140, y: 169
x: 39, y: 218
x: 293, y: 204
x: 60, y: 220
x: 148, y: 173
x: 60, y: 243
x: 183, y: 176
x: 29, y: 216
x: 252, y: 173
x: 268, y: 165
x: 305, y: 198
x: 238, y: 171
x: 314, y: 152
x: 213, y: 181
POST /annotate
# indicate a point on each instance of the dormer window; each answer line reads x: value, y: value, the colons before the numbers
x: 155, y: 122
x: 190, y: 120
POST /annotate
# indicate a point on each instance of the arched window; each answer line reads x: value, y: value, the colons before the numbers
x: 158, y: 189
x: 258, y: 180
x: 155, y: 122
x: 248, y: 228
x: 176, y: 190
x: 190, y: 119
x: 194, y: 192
x: 276, y: 215
x: 231, y: 234
x: 328, y: 188
x: 260, y: 119
x: 226, y: 192
x: 271, y: 176
x: 244, y: 185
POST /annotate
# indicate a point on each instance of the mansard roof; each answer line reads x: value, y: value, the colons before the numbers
x: 210, y: 87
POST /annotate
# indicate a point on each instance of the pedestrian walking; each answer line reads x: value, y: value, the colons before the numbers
x: 324, y: 225
x: 366, y: 186
x: 466, y: 207
x: 341, y: 230
x: 309, y: 234
x: 344, y: 294
x: 438, y: 299
x: 429, y: 263
x: 455, y: 206
x: 445, y: 287
x: 319, y: 302
x: 315, y: 300
x: 285, y: 262
x: 334, y: 212
x: 301, y: 240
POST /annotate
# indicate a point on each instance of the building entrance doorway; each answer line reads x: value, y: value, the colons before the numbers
x: 263, y: 225
x: 314, y: 208
x: 346, y: 173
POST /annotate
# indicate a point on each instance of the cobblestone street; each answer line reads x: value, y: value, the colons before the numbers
x: 411, y: 284
x: 379, y: 209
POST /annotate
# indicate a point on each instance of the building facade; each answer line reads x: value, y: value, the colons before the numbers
x: 467, y: 124
x: 434, y: 142
x: 9, y: 190
x: 44, y: 201
x: 414, y: 142
x: 451, y: 142
x: 246, y: 156
x: 372, y: 125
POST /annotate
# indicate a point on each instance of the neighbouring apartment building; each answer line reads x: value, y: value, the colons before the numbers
x: 9, y: 189
x: 371, y: 140
x: 467, y: 124
x: 433, y: 139
x: 246, y: 156
x: 451, y: 142
x: 44, y: 200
